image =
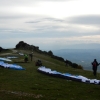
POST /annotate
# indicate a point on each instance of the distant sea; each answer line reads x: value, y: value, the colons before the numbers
x: 83, y: 57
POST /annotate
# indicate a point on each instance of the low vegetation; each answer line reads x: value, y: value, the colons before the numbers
x: 29, y: 84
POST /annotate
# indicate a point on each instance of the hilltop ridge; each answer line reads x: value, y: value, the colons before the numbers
x: 25, y: 46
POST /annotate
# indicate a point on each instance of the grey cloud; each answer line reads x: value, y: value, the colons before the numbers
x: 17, y: 16
x: 11, y: 17
x: 53, y: 19
x: 33, y: 22
x: 46, y: 19
x: 44, y: 34
x: 87, y: 20
x: 52, y: 30
x: 92, y: 19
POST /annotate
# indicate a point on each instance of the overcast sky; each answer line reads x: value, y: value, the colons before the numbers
x: 49, y: 24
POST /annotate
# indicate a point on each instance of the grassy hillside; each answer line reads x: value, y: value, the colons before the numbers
x: 29, y: 84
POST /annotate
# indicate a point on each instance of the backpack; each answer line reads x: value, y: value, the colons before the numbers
x: 94, y: 64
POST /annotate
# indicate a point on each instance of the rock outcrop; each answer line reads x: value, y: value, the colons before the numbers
x: 25, y: 46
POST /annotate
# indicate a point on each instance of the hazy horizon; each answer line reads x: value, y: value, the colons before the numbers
x: 82, y: 57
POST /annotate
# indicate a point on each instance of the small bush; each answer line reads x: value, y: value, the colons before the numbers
x: 80, y: 67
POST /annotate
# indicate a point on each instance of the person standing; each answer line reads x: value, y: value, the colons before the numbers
x: 31, y: 56
x: 25, y: 57
x: 94, y: 67
x: 66, y: 62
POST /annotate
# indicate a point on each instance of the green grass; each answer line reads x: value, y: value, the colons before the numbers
x: 29, y: 84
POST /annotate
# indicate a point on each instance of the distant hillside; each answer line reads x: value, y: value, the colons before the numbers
x: 84, y: 46
x: 25, y: 46
x: 83, y: 57
x: 3, y: 50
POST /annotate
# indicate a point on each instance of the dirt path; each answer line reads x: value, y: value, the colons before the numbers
x: 19, y: 93
x: 3, y: 54
x: 13, y: 51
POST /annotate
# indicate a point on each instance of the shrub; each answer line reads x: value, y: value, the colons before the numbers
x: 79, y: 67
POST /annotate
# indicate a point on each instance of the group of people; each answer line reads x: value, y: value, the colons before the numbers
x: 38, y: 63
x: 95, y: 64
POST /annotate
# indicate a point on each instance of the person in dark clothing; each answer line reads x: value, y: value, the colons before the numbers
x: 94, y: 67
x: 66, y: 62
x: 38, y: 63
x: 31, y: 55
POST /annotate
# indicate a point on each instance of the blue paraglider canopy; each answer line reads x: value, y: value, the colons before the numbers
x: 11, y: 66
x: 4, y: 59
x: 67, y: 76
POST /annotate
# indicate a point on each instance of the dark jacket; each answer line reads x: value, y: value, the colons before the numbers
x: 94, y: 64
